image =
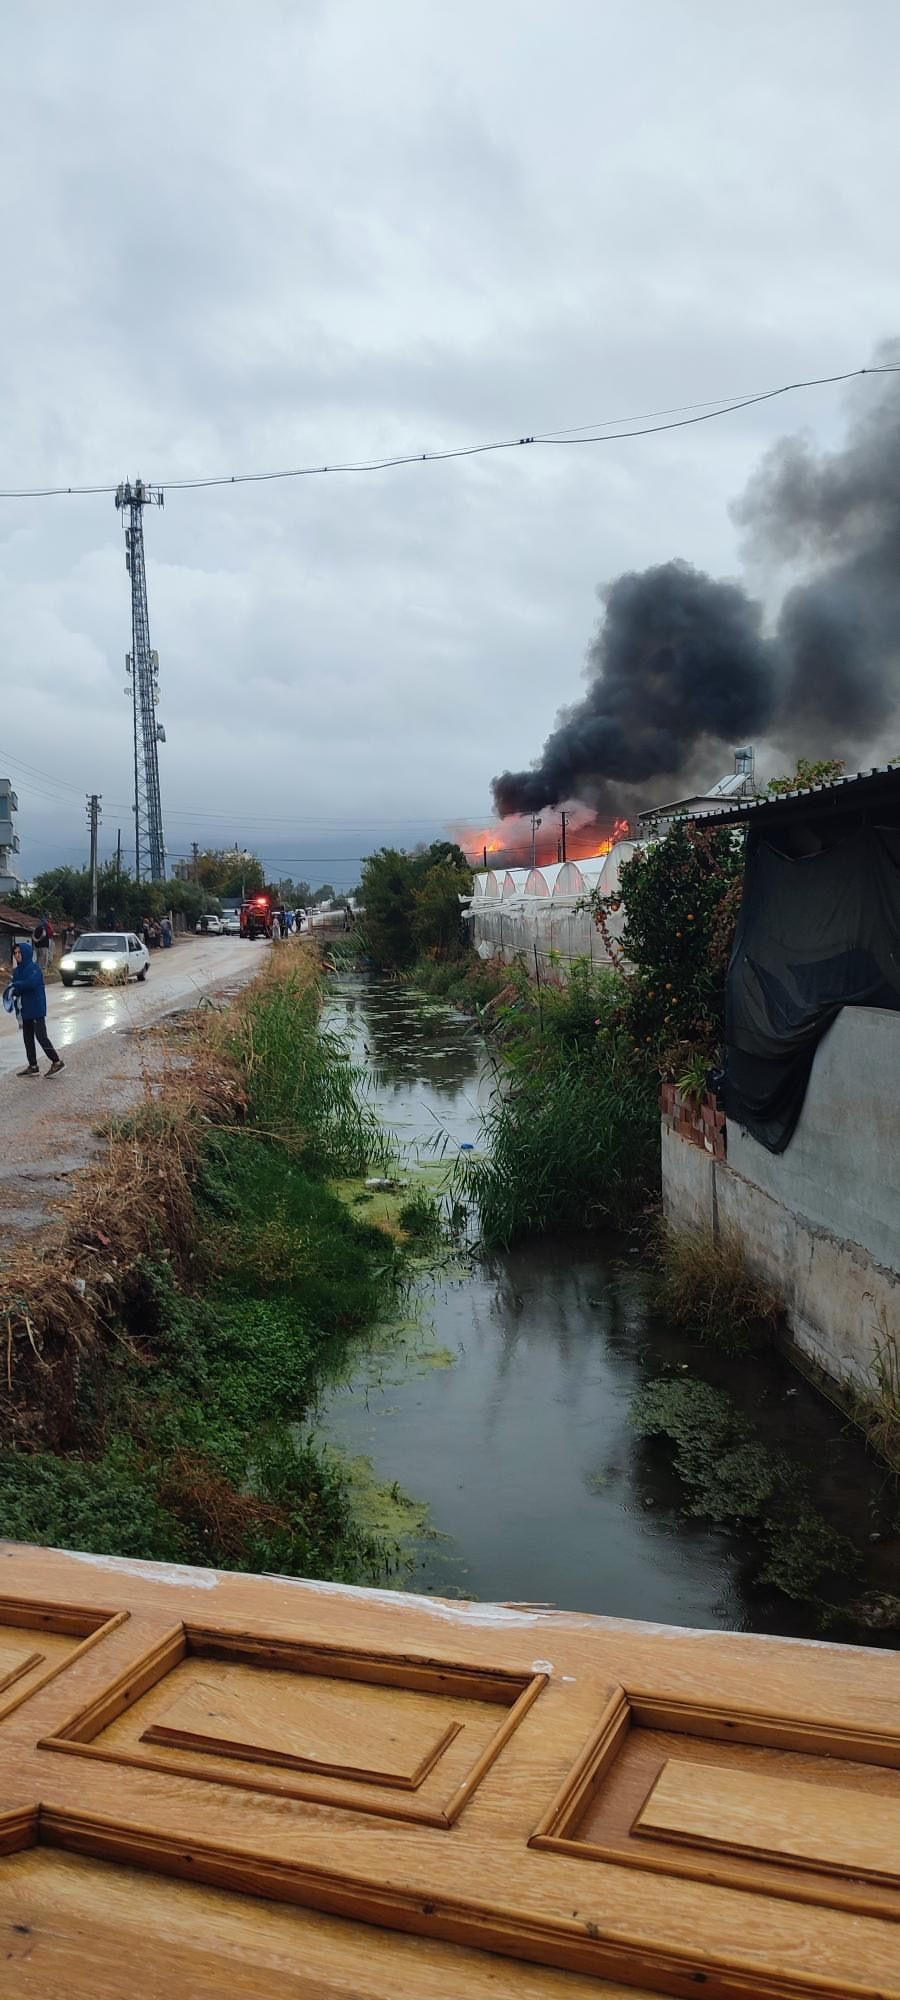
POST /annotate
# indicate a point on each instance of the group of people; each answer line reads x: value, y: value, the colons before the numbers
x: 157, y: 932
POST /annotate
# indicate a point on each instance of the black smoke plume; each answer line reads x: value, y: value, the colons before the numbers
x: 681, y: 664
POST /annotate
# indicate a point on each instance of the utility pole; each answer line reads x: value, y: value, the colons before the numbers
x: 562, y: 838
x: 484, y: 854
x: 195, y: 850
x: 118, y: 860
x: 535, y: 823
x: 143, y: 666
x: 93, y: 817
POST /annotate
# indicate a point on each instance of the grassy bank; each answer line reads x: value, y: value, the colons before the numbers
x: 571, y: 1135
x: 165, y: 1351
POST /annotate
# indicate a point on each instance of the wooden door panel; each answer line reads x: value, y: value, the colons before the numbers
x: 380, y: 1736
x: 670, y: 1811
x: 838, y: 1830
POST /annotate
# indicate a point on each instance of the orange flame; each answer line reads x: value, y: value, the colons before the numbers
x: 507, y: 843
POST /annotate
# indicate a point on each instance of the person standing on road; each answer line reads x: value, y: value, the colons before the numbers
x: 40, y: 938
x: 29, y: 996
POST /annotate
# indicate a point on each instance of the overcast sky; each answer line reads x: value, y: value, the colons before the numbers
x: 241, y: 237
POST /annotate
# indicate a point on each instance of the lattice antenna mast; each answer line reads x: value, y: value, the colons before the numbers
x: 143, y: 666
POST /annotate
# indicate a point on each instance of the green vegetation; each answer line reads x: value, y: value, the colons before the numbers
x: 66, y: 893
x: 880, y: 1415
x: 733, y: 1479
x: 469, y: 982
x: 303, y: 1089
x: 571, y: 1136
x: 420, y: 1218
x: 411, y: 903
x: 227, y: 872
x: 681, y: 898
x: 825, y: 771
x: 187, y: 1435
x: 707, y: 1289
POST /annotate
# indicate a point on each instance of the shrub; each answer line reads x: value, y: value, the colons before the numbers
x: 411, y: 902
x: 681, y: 898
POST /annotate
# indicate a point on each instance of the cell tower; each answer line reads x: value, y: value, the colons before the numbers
x: 143, y: 666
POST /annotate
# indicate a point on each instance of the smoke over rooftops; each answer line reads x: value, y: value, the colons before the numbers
x: 681, y: 664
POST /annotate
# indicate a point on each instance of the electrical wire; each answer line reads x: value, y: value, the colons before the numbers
x: 586, y: 434
x: 34, y: 771
x: 330, y: 823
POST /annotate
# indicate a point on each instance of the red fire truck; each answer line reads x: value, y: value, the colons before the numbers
x: 256, y: 917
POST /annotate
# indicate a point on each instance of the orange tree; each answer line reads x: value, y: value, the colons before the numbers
x: 680, y: 896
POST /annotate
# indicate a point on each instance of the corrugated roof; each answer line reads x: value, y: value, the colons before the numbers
x: 858, y: 788
x: 16, y: 918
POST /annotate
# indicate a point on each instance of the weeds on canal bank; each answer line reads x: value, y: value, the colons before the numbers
x: 468, y: 982
x: 303, y: 1089
x: 571, y: 1135
x: 732, y: 1479
x: 172, y: 1426
x: 706, y: 1288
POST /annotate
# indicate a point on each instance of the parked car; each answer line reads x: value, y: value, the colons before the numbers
x: 113, y: 955
x: 210, y: 926
x: 231, y: 926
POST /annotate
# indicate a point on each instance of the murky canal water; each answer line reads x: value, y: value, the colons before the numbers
x: 512, y: 1423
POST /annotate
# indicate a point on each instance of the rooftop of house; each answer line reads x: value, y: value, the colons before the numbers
x: 738, y: 783
x: 858, y: 792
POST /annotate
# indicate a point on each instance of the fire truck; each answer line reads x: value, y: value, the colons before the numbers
x: 256, y: 917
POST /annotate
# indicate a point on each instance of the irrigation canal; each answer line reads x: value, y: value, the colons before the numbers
x: 509, y: 1416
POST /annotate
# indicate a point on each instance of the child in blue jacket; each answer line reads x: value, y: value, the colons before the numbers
x: 30, y: 998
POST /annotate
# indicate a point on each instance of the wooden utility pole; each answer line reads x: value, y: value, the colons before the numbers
x: 93, y: 816
x: 562, y: 838
x: 195, y: 850
x: 535, y: 823
x: 118, y: 859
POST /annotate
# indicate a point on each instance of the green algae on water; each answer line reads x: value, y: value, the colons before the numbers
x: 733, y: 1479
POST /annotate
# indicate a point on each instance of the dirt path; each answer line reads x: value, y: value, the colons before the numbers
x: 48, y: 1126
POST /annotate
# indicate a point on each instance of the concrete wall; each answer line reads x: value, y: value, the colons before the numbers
x: 820, y: 1223
x: 842, y: 1167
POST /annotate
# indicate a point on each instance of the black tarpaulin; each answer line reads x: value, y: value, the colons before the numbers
x: 817, y: 931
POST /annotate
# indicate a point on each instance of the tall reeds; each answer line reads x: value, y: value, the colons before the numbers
x: 570, y: 1138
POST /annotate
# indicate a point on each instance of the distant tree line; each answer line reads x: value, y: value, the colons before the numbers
x: 65, y: 893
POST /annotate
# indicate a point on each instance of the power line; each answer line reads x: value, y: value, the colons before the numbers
x: 577, y: 434
x: 330, y: 821
x: 33, y: 770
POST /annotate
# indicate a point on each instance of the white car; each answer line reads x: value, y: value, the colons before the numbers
x: 231, y: 926
x: 113, y: 955
x: 210, y: 926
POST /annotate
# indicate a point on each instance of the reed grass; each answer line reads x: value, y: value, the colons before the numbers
x: 570, y: 1138
x: 706, y: 1287
x: 303, y: 1089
